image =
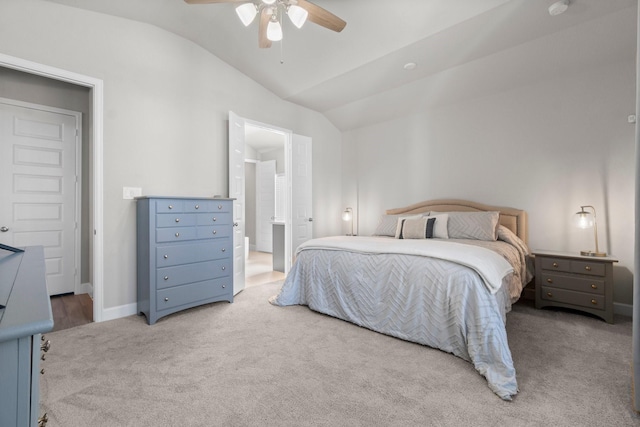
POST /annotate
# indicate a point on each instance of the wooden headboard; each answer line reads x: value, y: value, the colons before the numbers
x: 514, y: 219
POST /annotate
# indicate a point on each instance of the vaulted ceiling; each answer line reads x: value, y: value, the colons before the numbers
x: 461, y: 48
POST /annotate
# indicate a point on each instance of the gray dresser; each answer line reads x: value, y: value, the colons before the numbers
x: 185, y: 253
x: 25, y: 313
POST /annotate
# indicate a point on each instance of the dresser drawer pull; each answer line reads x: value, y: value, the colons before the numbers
x: 177, y: 234
x: 215, y: 232
x: 594, y: 302
x: 224, y: 268
x: 549, y: 294
x: 166, y: 256
x: 549, y: 281
x: 224, y: 250
x: 587, y: 268
x: 555, y: 265
x: 219, y: 207
x: 166, y: 299
x: 197, y: 206
x: 170, y: 206
x: 166, y: 277
x: 594, y: 286
x: 215, y: 219
x: 177, y: 219
x: 224, y: 286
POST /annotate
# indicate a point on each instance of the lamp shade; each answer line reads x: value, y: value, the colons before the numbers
x: 346, y: 215
x: 583, y: 219
x: 247, y: 13
x: 297, y: 15
x: 274, y: 31
x: 587, y: 219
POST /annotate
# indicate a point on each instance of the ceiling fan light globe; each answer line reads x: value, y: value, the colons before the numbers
x: 247, y: 13
x: 269, y: 2
x: 274, y: 31
x: 297, y: 15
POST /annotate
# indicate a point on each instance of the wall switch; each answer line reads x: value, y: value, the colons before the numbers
x: 631, y: 118
x: 131, y: 192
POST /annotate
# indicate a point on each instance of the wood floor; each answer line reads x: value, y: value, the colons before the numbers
x: 74, y: 310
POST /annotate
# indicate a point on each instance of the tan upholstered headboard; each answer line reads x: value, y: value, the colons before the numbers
x: 514, y: 219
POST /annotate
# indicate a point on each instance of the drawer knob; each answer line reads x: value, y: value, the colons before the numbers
x: 177, y: 234
x: 594, y: 302
x: 197, y: 206
x: 555, y: 265
x: 594, y: 286
x: 587, y: 268
x: 549, y: 280
x: 166, y: 299
x: 166, y: 256
x: 215, y: 232
x: 177, y: 219
x: 166, y: 277
x: 224, y: 286
x: 224, y: 250
x: 549, y: 294
x: 170, y: 206
x: 219, y: 206
x: 224, y: 268
x: 215, y: 219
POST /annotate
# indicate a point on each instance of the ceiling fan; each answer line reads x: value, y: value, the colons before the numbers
x: 271, y: 11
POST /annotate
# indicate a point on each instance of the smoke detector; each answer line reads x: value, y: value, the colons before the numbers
x: 558, y: 7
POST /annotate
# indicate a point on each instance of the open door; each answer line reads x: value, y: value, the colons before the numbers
x: 237, y: 192
x: 301, y: 200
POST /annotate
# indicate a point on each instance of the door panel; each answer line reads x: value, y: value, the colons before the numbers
x: 236, y: 191
x: 39, y: 149
x: 265, y: 204
x: 302, y: 204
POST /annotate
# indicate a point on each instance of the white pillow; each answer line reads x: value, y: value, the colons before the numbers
x: 440, y: 227
x: 474, y: 225
x: 387, y: 226
x: 400, y: 220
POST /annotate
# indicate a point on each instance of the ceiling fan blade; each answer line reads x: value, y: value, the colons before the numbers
x: 263, y: 41
x: 215, y: 1
x: 322, y: 17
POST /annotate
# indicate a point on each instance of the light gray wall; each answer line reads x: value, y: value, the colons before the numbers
x: 278, y: 156
x: 39, y: 90
x: 547, y: 148
x: 166, y: 104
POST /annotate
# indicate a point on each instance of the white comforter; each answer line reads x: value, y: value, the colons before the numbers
x: 454, y: 305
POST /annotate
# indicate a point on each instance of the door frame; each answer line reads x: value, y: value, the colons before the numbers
x: 78, y: 175
x: 96, y: 179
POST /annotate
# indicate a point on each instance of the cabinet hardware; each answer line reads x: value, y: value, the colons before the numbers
x: 594, y: 286
x: 215, y: 232
x: 555, y: 264
x: 549, y: 295
x: 166, y: 277
x: 594, y: 302
x: 170, y: 206
x: 177, y: 219
x: 197, y: 206
x: 549, y: 281
x: 166, y: 256
x: 177, y: 234
x: 166, y: 299
x: 587, y: 268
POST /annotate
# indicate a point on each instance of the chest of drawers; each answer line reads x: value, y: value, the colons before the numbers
x: 185, y: 248
x: 573, y: 281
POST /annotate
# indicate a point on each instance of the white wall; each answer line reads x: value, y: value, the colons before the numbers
x: 547, y: 148
x: 166, y: 104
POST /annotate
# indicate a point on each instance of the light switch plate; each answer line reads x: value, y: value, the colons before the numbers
x: 131, y: 192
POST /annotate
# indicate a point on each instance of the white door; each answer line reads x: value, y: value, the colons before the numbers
x: 265, y: 204
x: 301, y: 200
x: 236, y: 191
x: 39, y: 186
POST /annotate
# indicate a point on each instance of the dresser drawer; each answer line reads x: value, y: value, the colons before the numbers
x: 188, y: 273
x: 556, y: 264
x: 169, y: 205
x: 582, y: 299
x: 214, y: 218
x: 586, y: 267
x: 214, y: 231
x: 175, y: 254
x: 193, y: 292
x: 176, y: 219
x: 175, y: 234
x: 574, y: 283
x: 207, y: 206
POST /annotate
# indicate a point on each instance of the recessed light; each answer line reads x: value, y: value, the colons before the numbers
x: 410, y: 65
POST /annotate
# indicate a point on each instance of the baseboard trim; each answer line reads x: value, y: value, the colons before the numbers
x: 623, y: 309
x: 85, y: 288
x: 113, y: 313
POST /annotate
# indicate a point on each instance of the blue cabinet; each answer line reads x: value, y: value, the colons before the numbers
x: 185, y: 248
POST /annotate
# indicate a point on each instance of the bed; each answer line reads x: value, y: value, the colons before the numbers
x: 441, y: 273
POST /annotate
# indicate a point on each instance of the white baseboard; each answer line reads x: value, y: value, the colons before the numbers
x: 623, y: 309
x: 85, y: 288
x: 119, y: 311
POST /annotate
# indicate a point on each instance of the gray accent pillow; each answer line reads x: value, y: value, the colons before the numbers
x: 387, y: 226
x: 473, y: 225
x: 414, y: 228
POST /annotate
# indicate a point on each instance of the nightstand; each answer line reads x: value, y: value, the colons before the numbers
x: 570, y: 280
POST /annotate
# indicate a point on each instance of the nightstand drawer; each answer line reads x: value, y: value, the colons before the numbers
x: 556, y: 264
x: 574, y: 283
x: 586, y: 267
x: 574, y: 298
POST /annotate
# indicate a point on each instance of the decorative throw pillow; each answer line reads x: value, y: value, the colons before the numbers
x: 399, y: 222
x: 387, y: 226
x: 414, y: 228
x: 473, y: 225
x: 440, y: 226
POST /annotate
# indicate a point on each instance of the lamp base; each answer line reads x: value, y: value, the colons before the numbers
x: 591, y: 253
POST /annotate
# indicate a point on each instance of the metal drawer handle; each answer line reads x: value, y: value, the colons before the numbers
x: 177, y: 234
x: 166, y: 277
x: 166, y: 256
x: 224, y: 268
x: 555, y: 265
x: 594, y: 286
x: 197, y: 206
x: 549, y: 294
x: 4, y: 229
x: 177, y: 219
x: 170, y: 206
x: 594, y: 302
x: 215, y: 232
x: 587, y: 268
x: 224, y: 250
x: 166, y: 299
x: 224, y: 286
x: 219, y: 206
x: 215, y: 219
x: 549, y: 281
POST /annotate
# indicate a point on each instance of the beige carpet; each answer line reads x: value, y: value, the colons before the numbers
x: 252, y: 364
